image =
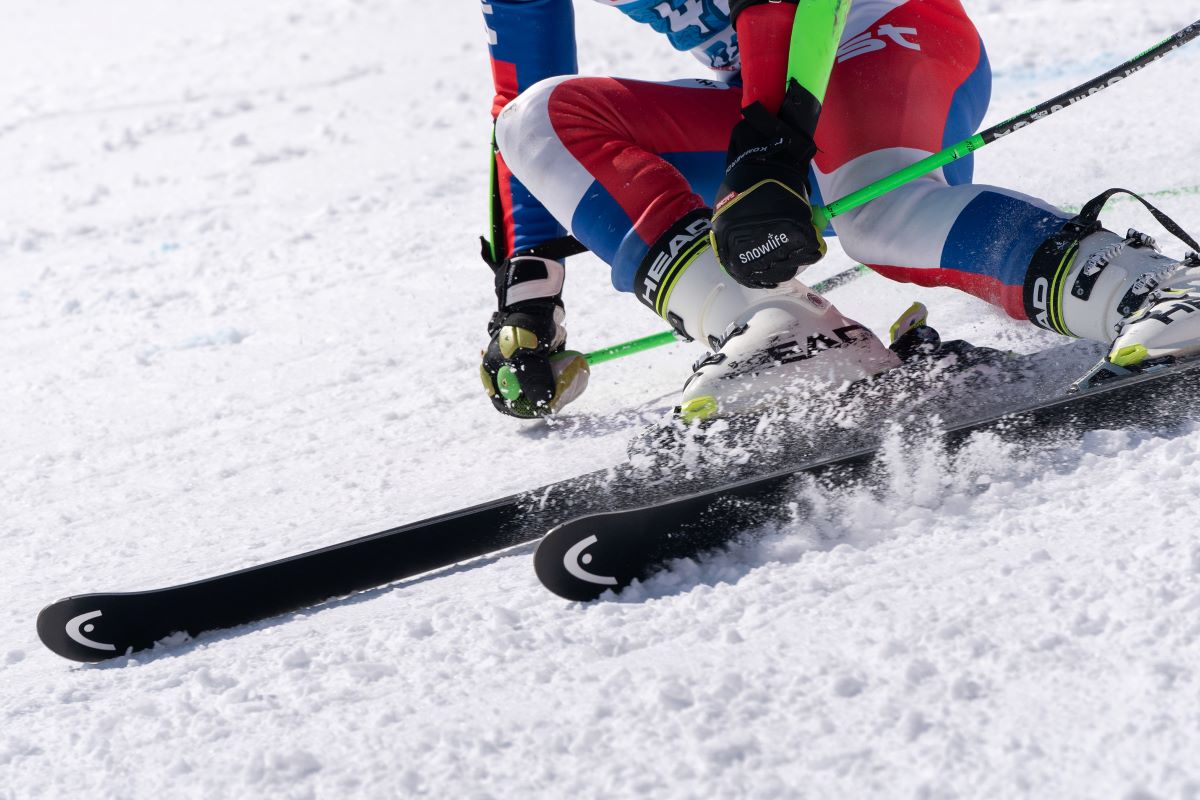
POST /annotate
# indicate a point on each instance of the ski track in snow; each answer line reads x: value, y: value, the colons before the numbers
x: 240, y: 316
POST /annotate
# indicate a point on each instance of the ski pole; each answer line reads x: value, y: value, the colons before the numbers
x: 823, y: 214
x: 629, y: 348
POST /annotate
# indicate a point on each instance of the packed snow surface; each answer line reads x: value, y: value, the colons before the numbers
x: 240, y: 315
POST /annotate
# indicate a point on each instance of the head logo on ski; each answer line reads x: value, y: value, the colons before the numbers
x: 78, y: 626
x: 576, y: 558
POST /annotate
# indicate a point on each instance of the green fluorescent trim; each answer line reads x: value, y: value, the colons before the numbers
x: 816, y: 34
x: 668, y: 282
x: 1057, y: 318
x: 494, y: 181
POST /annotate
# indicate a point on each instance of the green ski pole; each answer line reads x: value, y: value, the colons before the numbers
x: 629, y: 348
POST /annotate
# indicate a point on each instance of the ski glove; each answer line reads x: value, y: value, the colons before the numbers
x: 527, y: 370
x: 762, y: 227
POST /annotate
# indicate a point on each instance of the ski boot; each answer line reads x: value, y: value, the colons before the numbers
x: 1090, y: 283
x: 765, y: 342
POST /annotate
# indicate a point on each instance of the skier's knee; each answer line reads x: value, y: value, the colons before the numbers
x: 905, y: 226
x: 524, y: 128
x: 856, y: 232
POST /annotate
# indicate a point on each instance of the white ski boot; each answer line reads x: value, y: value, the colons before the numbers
x: 766, y: 342
x: 1091, y: 283
x: 1167, y: 325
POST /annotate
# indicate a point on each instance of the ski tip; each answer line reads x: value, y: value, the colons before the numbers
x: 77, y: 628
x: 565, y: 564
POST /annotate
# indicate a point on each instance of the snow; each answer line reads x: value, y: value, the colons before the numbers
x: 240, y: 315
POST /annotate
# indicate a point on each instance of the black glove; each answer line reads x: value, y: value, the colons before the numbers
x: 527, y: 370
x: 763, y: 231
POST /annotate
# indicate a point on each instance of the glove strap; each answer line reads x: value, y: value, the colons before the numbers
x: 524, y: 278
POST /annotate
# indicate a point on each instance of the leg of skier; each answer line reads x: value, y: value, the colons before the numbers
x: 903, y: 64
x: 525, y: 368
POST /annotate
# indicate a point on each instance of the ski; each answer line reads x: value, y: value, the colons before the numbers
x: 98, y: 627
x: 591, y: 554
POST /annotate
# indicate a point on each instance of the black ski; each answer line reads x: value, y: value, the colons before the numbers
x: 583, y: 558
x: 97, y: 627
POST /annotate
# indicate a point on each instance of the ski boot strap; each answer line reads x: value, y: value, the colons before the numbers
x: 1090, y: 215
